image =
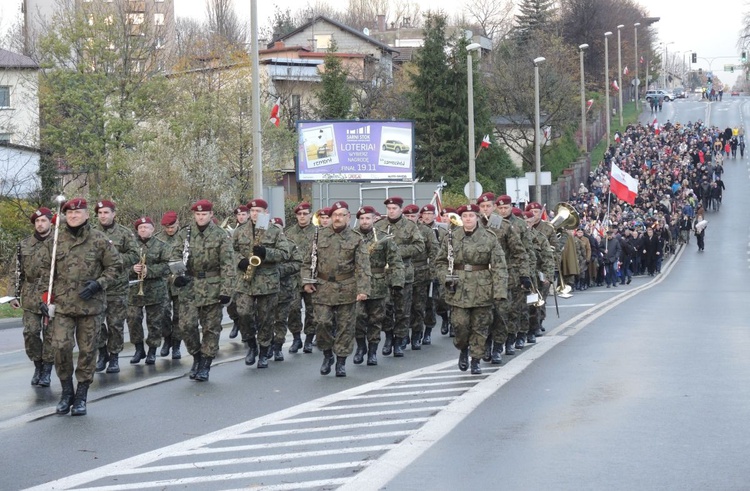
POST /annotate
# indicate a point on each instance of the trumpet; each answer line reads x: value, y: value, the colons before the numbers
x: 262, y: 225
x: 141, y: 275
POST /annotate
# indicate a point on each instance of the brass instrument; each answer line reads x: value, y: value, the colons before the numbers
x: 451, y: 279
x: 316, y: 219
x: 535, y: 298
x: 566, y: 217
x: 141, y: 274
x: 375, y: 240
x: 261, y: 225
x: 225, y: 226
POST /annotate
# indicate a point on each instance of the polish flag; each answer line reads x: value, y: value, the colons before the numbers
x: 589, y: 103
x: 275, y: 113
x: 656, y: 127
x: 641, y: 60
x: 625, y: 71
x: 614, y: 85
x: 486, y: 141
x: 623, y: 185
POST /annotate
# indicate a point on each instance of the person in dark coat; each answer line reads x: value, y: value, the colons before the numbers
x: 612, y: 253
x: 652, y: 248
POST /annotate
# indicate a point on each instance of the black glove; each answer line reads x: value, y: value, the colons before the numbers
x: 91, y: 288
x: 181, y: 281
x: 243, y: 264
x: 224, y: 299
x: 259, y: 251
x: 526, y: 282
x: 44, y: 309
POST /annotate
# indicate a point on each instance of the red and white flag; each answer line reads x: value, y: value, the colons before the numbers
x: 589, y: 103
x: 641, y: 60
x: 275, y: 113
x: 614, y: 85
x: 625, y: 70
x: 486, y: 141
x: 656, y: 127
x: 623, y: 185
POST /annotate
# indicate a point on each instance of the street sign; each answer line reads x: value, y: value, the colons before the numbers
x: 546, y: 178
x: 477, y: 190
x: 518, y: 189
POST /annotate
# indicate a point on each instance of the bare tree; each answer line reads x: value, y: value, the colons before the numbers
x: 493, y: 17
x: 224, y: 24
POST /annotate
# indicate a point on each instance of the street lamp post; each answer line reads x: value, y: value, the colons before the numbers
x: 606, y: 78
x: 619, y: 73
x: 581, y: 48
x: 470, y: 90
x: 537, y: 136
x: 257, y: 128
x: 665, y: 65
x: 637, y: 80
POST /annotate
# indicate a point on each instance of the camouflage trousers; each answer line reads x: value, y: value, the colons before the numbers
x: 112, y: 334
x: 518, y: 315
x: 66, y: 333
x: 472, y: 326
x: 295, y: 314
x: 154, y: 322
x: 370, y: 318
x: 257, y: 316
x: 37, y: 338
x: 501, y: 326
x: 282, y: 319
x: 420, y: 290
x: 232, y: 310
x: 398, y: 311
x: 432, y: 305
x: 339, y: 336
x: 209, y: 318
x: 171, y: 318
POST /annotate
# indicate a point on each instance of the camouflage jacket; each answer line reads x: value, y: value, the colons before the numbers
x: 123, y: 239
x: 424, y: 262
x: 302, y: 237
x: 520, y: 225
x: 289, y: 272
x: 33, y: 262
x: 478, y: 288
x: 210, y: 266
x: 86, y: 255
x: 544, y: 255
x: 173, y: 242
x: 157, y: 268
x: 557, y: 242
x: 408, y: 238
x: 343, y: 267
x: 386, y: 265
x: 516, y: 256
x: 439, y: 233
x: 266, y: 278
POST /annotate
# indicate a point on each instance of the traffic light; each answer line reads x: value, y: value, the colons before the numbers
x: 694, y: 58
x: 700, y: 71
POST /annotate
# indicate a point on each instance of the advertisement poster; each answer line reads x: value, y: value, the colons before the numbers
x: 355, y: 150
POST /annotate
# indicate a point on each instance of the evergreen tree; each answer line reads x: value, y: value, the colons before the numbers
x: 335, y: 95
x: 534, y: 18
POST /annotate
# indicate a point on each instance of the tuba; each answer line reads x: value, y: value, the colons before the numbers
x: 566, y: 217
x: 262, y: 225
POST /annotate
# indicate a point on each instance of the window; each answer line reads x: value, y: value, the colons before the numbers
x: 4, y: 138
x: 135, y: 19
x: 4, y: 96
x: 158, y: 19
x: 322, y: 41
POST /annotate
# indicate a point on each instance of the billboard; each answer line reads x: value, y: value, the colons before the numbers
x: 355, y: 150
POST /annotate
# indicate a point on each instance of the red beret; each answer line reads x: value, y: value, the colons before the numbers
x: 278, y: 221
x: 504, y: 200
x: 202, y: 205
x: 141, y: 221
x: 517, y: 211
x: 465, y: 208
x: 428, y: 208
x: 41, y: 212
x: 324, y: 211
x: 486, y: 198
x: 366, y: 209
x: 105, y: 203
x: 302, y: 206
x: 448, y: 209
x: 394, y: 200
x: 169, y: 218
x: 241, y: 209
x: 528, y: 214
x: 533, y: 206
x: 411, y: 209
x: 338, y: 206
x: 258, y: 203
x: 75, y: 204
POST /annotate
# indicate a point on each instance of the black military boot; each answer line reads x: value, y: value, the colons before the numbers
x: 530, y: 337
x: 165, y: 347
x: 398, y: 347
x: 308, y: 347
x: 520, y: 340
x: 427, y: 337
x: 79, y: 402
x: 359, y: 355
x: 296, y: 343
x: 416, y: 341
x: 139, y: 354
x: 235, y: 329
x: 176, y: 354
x: 325, y: 368
x: 487, y: 350
x: 44, y: 378
x: 263, y: 352
x: 451, y: 330
x: 66, y: 398
x: 341, y: 366
x: 463, y: 360
x: 278, y: 352
x: 444, y: 325
x: 372, y: 354
x: 252, y: 352
x: 114, y: 363
x: 497, y: 357
x: 196, y: 365
x: 475, y: 368
x: 38, y: 372
x: 101, y: 363
x: 510, y: 345
x: 151, y: 356
x: 202, y: 374
x: 388, y: 344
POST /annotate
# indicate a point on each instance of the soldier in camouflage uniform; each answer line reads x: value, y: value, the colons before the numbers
x: 150, y: 294
x: 342, y: 279
x: 289, y: 286
x: 112, y: 334
x: 86, y: 264
x: 302, y: 234
x: 387, y: 269
x: 257, y: 297
x: 543, y: 267
x: 410, y: 243
x: 242, y: 215
x: 480, y: 282
x: 205, y: 288
x: 435, y: 303
x: 30, y: 263
x: 424, y: 264
x: 174, y: 237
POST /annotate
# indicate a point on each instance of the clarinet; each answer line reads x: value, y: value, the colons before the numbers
x: 186, y: 249
x: 314, y: 259
x: 19, y: 273
x: 451, y: 279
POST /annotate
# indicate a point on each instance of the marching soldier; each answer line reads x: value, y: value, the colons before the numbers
x: 289, y: 286
x: 205, y: 287
x: 86, y: 264
x: 112, y: 334
x: 302, y: 234
x: 435, y: 304
x: 386, y: 268
x: 324, y: 215
x: 242, y: 215
x: 30, y: 263
x: 410, y: 243
x: 543, y: 268
x: 150, y: 293
x: 472, y: 262
x: 174, y: 237
x: 423, y: 263
x: 342, y: 278
x: 258, y: 285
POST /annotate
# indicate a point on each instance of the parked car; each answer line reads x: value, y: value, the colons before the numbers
x: 395, y: 146
x: 668, y: 96
x: 679, y: 92
x: 735, y: 93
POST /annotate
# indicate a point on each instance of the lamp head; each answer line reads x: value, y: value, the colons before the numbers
x: 539, y: 60
x: 637, y: 24
x: 620, y: 26
x: 583, y: 46
x: 607, y: 34
x: 473, y: 47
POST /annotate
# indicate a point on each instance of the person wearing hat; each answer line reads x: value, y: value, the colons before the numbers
x: 478, y: 281
x: 386, y: 268
x: 242, y: 215
x: 342, y: 279
x: 257, y: 291
x: 86, y: 266
x: 302, y: 234
x: 289, y: 286
x: 324, y: 216
x: 30, y: 263
x: 543, y: 269
x: 112, y: 333
x: 612, y: 253
x: 150, y: 293
x: 205, y: 288
x: 174, y: 237
x: 435, y: 302
x: 410, y: 243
